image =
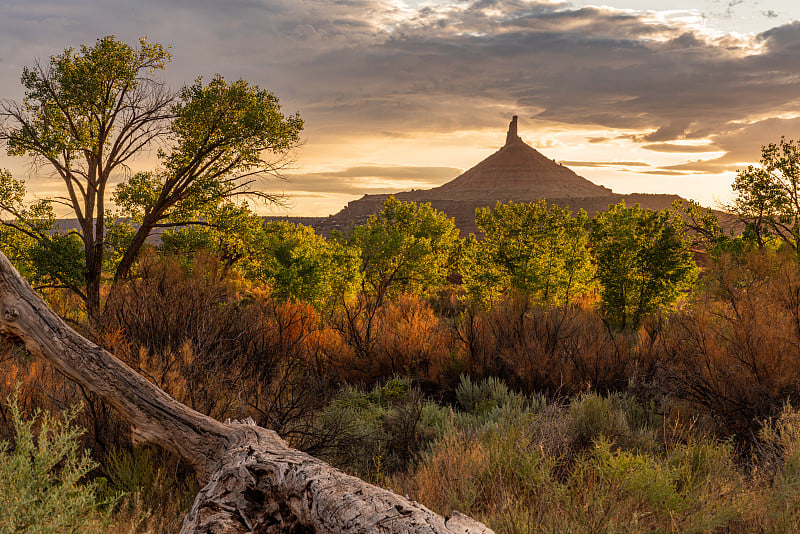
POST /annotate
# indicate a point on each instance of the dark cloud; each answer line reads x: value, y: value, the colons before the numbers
x: 586, y: 66
x: 742, y: 145
x: 713, y: 166
x: 368, y: 67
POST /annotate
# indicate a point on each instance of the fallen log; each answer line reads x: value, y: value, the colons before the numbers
x: 254, y: 482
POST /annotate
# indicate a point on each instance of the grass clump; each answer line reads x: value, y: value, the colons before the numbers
x: 43, y: 477
x: 378, y: 432
x: 585, y: 466
x: 158, y: 489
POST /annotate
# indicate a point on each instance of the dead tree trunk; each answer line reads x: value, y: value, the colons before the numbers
x: 254, y: 481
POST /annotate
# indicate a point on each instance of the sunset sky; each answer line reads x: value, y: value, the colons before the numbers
x: 637, y: 95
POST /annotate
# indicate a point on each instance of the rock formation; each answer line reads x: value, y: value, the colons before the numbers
x: 516, y: 172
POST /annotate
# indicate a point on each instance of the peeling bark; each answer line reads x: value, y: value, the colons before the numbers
x: 254, y: 481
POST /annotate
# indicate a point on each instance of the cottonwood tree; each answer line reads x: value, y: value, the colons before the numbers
x: 529, y: 248
x: 291, y: 259
x: 87, y: 114
x: 642, y: 259
x: 404, y: 248
x: 767, y: 196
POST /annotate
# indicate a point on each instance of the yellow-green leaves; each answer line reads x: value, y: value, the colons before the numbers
x: 405, y: 247
x: 88, y: 113
x: 529, y: 248
x: 768, y: 196
x: 224, y: 128
x: 643, y: 261
x: 75, y: 102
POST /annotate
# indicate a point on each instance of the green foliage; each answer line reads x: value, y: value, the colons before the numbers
x: 527, y: 475
x: 491, y: 399
x: 767, y: 196
x: 381, y: 431
x: 120, y: 232
x: 222, y: 131
x: 227, y: 229
x: 223, y: 128
x: 481, y: 275
x: 291, y: 259
x: 643, y: 261
x: 72, y: 104
x: 300, y: 265
x: 42, y: 476
x: 684, y: 482
x: 157, y: 492
x: 43, y: 256
x: 86, y: 114
x: 529, y: 248
x: 403, y: 248
x: 594, y: 417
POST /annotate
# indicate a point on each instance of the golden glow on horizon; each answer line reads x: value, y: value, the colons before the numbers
x: 466, y: 148
x: 462, y: 150
x: 373, y: 78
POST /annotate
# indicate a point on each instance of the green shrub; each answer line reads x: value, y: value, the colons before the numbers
x: 696, y: 485
x: 380, y: 431
x: 42, y: 476
x: 491, y: 401
x: 594, y: 417
x: 158, y: 489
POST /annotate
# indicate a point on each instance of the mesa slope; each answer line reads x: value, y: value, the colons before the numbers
x: 516, y: 172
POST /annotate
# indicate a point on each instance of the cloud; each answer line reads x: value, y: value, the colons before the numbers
x: 605, y: 164
x: 366, y: 63
x: 666, y: 172
x: 686, y: 149
x: 396, y: 172
x: 377, y: 68
x: 584, y: 66
x: 371, y: 179
x: 742, y: 145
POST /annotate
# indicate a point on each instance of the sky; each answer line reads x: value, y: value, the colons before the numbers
x: 661, y: 96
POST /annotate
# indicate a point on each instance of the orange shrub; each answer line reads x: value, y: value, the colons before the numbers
x: 221, y: 347
x: 559, y: 350
x: 405, y: 338
x: 735, y: 352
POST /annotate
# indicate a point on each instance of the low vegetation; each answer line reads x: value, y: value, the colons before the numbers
x: 555, y: 374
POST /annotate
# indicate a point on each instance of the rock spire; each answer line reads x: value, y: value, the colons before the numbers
x: 511, y: 136
x: 515, y: 172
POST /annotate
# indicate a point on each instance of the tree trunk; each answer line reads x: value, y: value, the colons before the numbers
x: 254, y: 481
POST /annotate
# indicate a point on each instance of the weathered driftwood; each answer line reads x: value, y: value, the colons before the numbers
x: 254, y: 481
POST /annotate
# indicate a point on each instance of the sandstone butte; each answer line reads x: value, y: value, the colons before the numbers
x: 516, y: 172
